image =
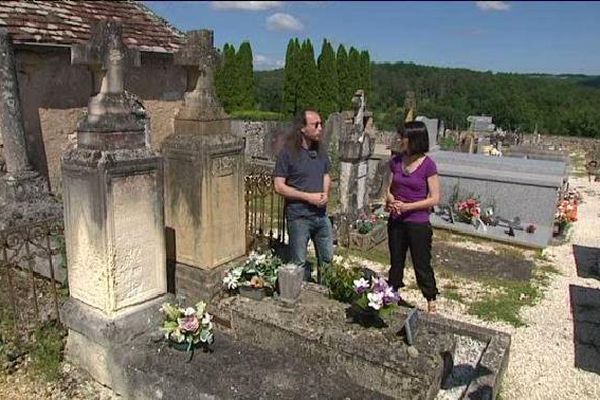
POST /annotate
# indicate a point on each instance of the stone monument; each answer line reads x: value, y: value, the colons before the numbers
x: 20, y: 182
x: 356, y: 145
x: 204, y: 179
x: 114, y: 224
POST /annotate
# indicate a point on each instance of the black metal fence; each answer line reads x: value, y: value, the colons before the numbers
x: 265, y: 219
x: 32, y: 277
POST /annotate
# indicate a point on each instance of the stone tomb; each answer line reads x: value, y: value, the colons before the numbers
x: 521, y: 188
x: 204, y: 179
x: 114, y: 225
x: 318, y: 331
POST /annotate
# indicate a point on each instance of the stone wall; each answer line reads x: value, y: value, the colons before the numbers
x: 54, y: 93
x: 263, y: 138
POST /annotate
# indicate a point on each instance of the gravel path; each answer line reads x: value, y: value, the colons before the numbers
x: 466, y: 357
x: 542, y: 354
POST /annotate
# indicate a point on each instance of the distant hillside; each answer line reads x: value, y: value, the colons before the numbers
x: 557, y: 104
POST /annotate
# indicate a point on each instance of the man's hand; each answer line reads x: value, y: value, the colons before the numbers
x: 317, y: 199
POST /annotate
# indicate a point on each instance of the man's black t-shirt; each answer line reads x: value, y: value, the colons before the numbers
x: 303, y: 171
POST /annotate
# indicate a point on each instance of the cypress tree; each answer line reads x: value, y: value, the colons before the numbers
x: 365, y: 72
x: 225, y: 80
x: 220, y: 81
x: 291, y: 77
x: 354, y: 72
x: 308, y: 85
x: 343, y: 82
x: 328, y: 80
x: 245, y: 78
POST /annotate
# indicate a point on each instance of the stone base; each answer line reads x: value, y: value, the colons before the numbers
x: 364, y: 241
x: 195, y: 283
x: 94, y: 339
x: 316, y: 330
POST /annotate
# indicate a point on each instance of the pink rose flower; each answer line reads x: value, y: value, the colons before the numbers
x: 189, y: 324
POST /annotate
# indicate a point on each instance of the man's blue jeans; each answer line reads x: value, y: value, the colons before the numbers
x: 319, y: 230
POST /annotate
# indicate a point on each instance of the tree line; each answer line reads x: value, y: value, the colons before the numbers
x: 234, y: 79
x: 555, y: 104
x: 560, y: 104
x: 326, y: 84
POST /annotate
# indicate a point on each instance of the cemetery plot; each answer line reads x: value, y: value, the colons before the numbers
x: 318, y: 329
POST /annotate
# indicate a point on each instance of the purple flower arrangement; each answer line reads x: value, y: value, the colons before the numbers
x: 376, y: 295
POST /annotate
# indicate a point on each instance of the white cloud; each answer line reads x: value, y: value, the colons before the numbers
x: 283, y: 22
x: 263, y: 62
x: 493, y: 5
x: 245, y: 5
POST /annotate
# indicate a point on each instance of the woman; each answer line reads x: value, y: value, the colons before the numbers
x: 413, y: 190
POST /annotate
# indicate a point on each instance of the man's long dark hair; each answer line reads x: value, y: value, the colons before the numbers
x: 294, y: 138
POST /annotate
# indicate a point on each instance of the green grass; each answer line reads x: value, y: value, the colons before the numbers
x: 375, y: 254
x: 505, y: 305
x: 47, y: 349
x: 452, y: 294
x: 256, y: 115
x: 505, y: 298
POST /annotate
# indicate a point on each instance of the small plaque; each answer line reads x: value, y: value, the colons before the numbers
x: 362, y: 169
x: 451, y: 213
x: 411, y: 326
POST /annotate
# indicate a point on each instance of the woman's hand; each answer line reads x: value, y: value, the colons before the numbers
x: 397, y: 207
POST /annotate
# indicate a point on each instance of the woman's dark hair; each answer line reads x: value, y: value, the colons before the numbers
x: 294, y: 138
x: 418, y: 138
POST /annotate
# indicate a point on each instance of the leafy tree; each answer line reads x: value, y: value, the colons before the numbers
x: 328, y: 80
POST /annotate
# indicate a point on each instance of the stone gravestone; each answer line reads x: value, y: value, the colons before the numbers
x: 114, y: 225
x: 204, y: 179
x: 20, y: 182
x: 355, y: 148
x: 432, y: 125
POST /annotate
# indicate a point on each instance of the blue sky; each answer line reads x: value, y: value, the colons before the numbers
x: 501, y: 36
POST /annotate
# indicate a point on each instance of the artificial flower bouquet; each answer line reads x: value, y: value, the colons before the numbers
x: 375, y: 295
x: 468, y: 210
x: 187, y: 327
x: 259, y: 271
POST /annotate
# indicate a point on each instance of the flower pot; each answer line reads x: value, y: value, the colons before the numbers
x: 254, y: 293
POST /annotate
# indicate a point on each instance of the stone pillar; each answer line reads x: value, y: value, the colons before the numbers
x: 204, y: 179
x: 114, y: 224
x: 21, y: 182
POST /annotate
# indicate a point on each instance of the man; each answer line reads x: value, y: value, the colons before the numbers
x: 302, y: 177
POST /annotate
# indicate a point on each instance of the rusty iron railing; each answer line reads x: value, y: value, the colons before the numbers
x: 29, y: 283
x: 265, y: 219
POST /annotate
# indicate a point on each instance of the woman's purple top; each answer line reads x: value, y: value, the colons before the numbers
x: 411, y: 187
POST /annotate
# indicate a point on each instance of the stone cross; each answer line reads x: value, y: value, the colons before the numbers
x: 11, y: 118
x: 200, y: 58
x: 106, y: 56
x: 410, y: 106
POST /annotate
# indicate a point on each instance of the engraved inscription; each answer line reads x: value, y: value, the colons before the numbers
x: 223, y: 166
